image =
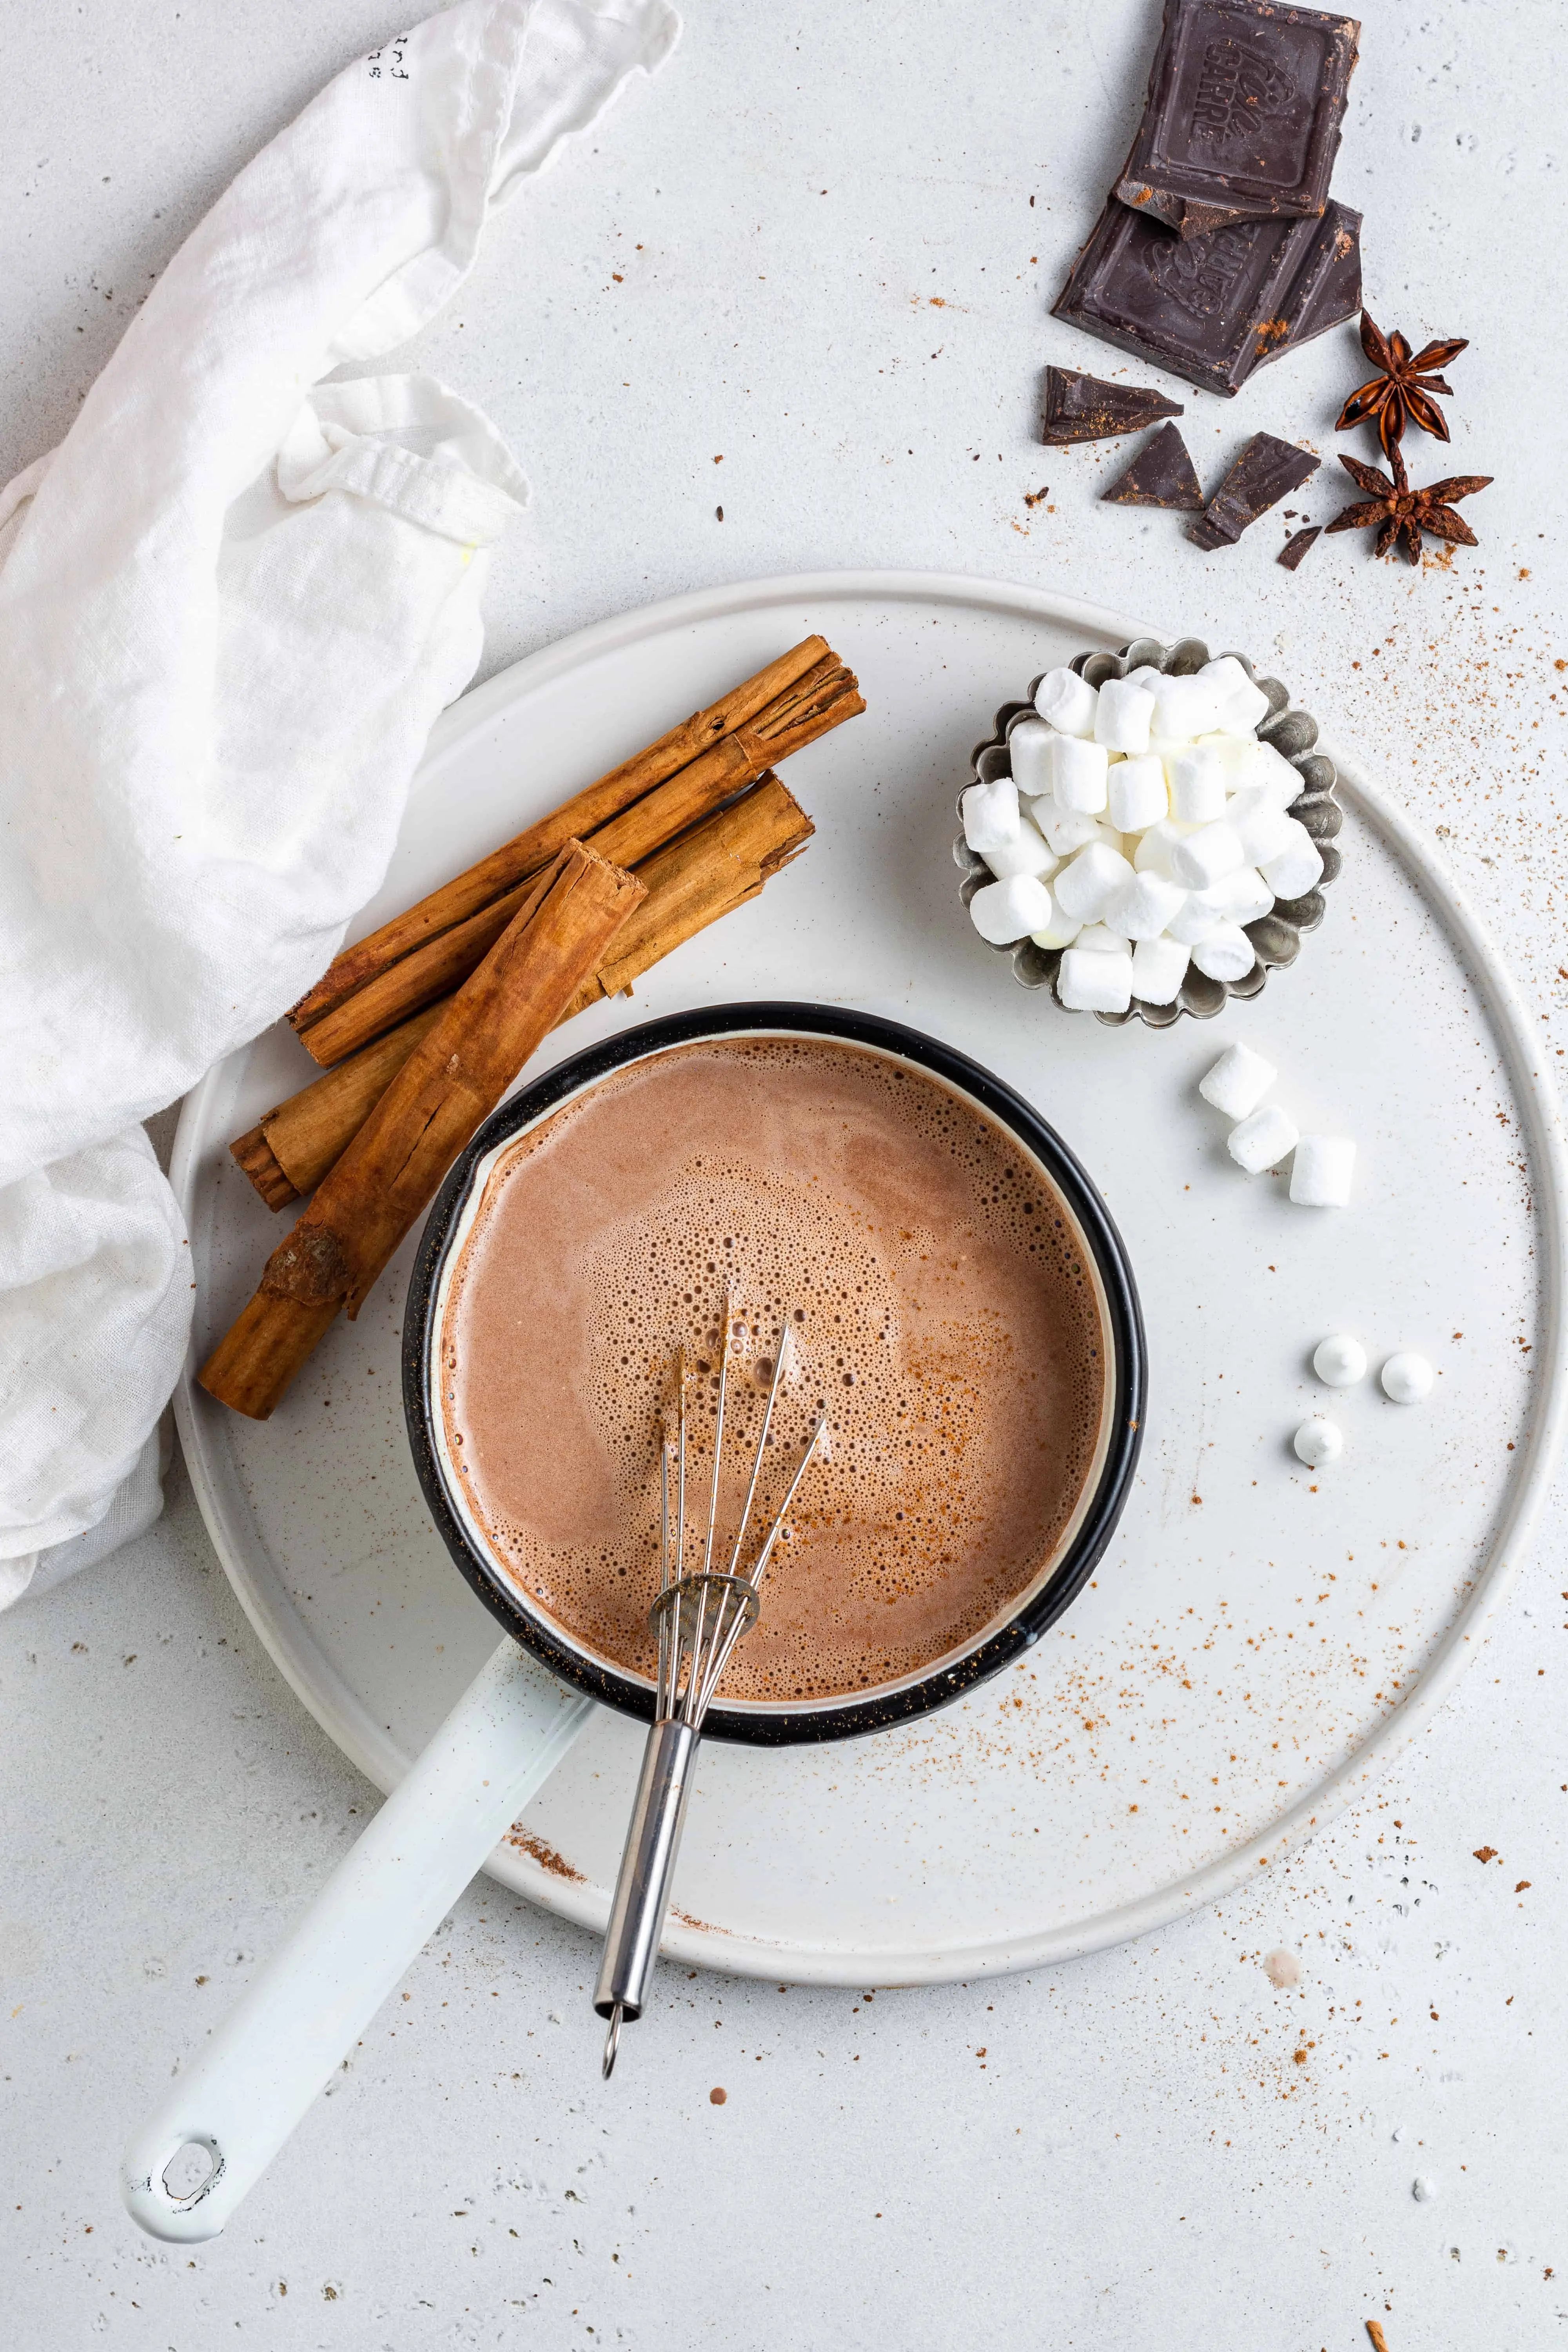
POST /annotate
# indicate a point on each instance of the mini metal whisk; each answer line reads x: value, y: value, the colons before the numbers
x: 699, y: 1618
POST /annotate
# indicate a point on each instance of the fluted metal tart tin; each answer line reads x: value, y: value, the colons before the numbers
x: 1276, y: 937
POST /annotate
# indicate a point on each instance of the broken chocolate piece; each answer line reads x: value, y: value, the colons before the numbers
x: 1086, y: 408
x: 1161, y: 475
x: 1296, y: 546
x: 1264, y: 471
x: 1243, y: 114
x: 1213, y: 307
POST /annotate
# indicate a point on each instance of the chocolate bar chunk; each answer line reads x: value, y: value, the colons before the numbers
x: 1296, y: 546
x: 1265, y: 471
x: 1213, y: 307
x: 1161, y: 475
x: 1242, y: 119
x: 1086, y: 408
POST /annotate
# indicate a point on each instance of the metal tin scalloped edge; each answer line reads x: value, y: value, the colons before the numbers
x: 1277, y: 936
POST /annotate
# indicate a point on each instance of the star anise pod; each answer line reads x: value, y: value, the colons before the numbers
x: 1400, y: 513
x: 1402, y: 387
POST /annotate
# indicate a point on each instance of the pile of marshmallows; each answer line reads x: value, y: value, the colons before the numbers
x: 1154, y: 828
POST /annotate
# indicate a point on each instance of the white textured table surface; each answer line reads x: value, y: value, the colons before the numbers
x: 810, y: 249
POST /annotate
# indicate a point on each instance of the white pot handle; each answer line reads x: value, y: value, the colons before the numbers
x: 305, y: 2011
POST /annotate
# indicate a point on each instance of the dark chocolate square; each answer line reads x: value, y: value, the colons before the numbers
x: 1243, y: 114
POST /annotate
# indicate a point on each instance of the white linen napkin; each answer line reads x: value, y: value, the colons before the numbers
x: 231, y: 604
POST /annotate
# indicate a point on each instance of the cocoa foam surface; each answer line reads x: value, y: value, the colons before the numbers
x: 944, y: 1317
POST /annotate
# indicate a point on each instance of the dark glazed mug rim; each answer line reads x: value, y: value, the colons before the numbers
x: 865, y: 1711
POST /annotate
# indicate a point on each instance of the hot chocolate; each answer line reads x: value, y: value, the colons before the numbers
x: 944, y: 1313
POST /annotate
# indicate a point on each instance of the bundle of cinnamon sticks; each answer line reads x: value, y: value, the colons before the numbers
x: 429, y: 1019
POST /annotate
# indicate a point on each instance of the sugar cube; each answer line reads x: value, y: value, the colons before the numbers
x: 1225, y: 953
x: 1186, y: 707
x: 1143, y: 905
x: 1005, y: 911
x: 1138, y: 795
x: 990, y: 815
x: 1197, y: 778
x: 1321, y: 1175
x: 1089, y: 981
x: 1297, y: 869
x: 1263, y: 1141
x: 1159, y: 968
x: 1079, y: 772
x: 1030, y: 854
x: 1085, y: 885
x: 1121, y: 719
x: 1067, y: 701
x: 1201, y: 859
x: 1238, y: 1082
x: 1029, y: 752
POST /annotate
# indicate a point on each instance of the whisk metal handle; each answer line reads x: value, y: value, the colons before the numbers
x: 647, y: 1869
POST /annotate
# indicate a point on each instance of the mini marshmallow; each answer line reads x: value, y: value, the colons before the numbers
x: 1339, y: 1361
x: 1321, y: 1177
x: 1197, y: 775
x: 1005, y: 911
x: 1121, y: 721
x: 1099, y: 938
x: 1086, y: 885
x: 1261, y: 825
x: 1153, y: 853
x: 1029, y: 752
x: 1239, y: 898
x: 1065, y: 829
x: 1238, y: 1082
x: 1406, y: 1378
x: 1059, y: 930
x: 1318, y: 1441
x: 990, y: 815
x: 1201, y: 859
x: 1143, y: 907
x: 1186, y: 707
x: 1067, y: 701
x: 1079, y: 772
x: 1159, y: 968
x: 1028, y: 855
x: 1263, y: 1141
x: 1243, y: 704
x: 1093, y: 982
x: 1227, y: 953
x: 1138, y: 794
x: 1258, y: 767
x: 1297, y: 869
x: 1194, y: 920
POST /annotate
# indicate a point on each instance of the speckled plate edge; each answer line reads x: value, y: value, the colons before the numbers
x: 342, y: 1716
x: 1276, y: 937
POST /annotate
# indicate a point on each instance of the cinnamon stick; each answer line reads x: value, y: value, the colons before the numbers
x: 718, y: 866
x: 453, y: 1079
x: 505, y: 867
x: 821, y: 699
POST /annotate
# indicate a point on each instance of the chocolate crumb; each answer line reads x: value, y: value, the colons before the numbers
x: 1296, y: 546
x: 717, y: 2097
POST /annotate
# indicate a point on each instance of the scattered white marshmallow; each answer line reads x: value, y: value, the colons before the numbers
x: 1139, y: 796
x: 1066, y: 702
x: 1226, y: 953
x: 1086, y: 885
x: 1030, y: 854
x: 1203, y: 859
x: 990, y: 815
x: 1238, y: 1082
x: 1030, y: 755
x: 1005, y: 911
x: 1297, y: 869
x: 1423, y: 2188
x: 1159, y: 968
x: 1340, y: 1360
x: 1318, y: 1441
x: 1078, y: 774
x: 1090, y: 981
x: 1263, y: 1141
x: 1122, y: 717
x: 1197, y: 775
x: 1407, y: 1378
x: 1321, y: 1172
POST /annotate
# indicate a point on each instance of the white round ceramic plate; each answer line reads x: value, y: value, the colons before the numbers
x: 1258, y: 1637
